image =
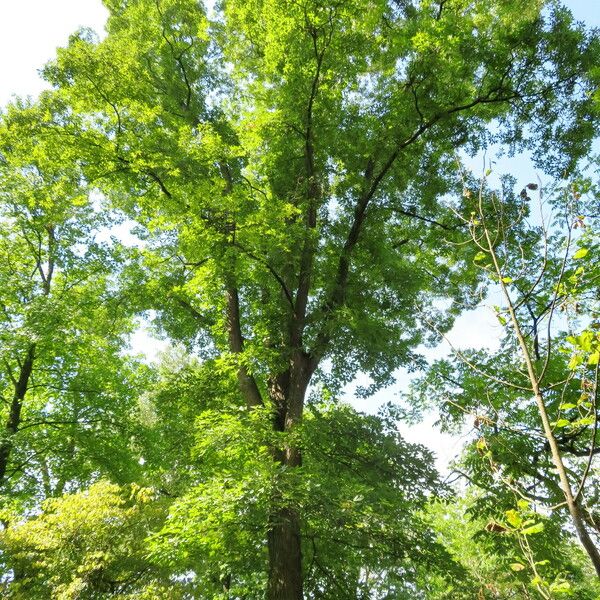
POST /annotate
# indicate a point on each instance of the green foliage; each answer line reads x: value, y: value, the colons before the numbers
x: 290, y: 171
x: 360, y: 490
x: 194, y: 153
x: 365, y: 488
x: 68, y: 390
x: 90, y: 544
x: 553, y: 308
x: 502, y: 564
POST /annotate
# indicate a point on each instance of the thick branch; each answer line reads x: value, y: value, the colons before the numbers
x: 271, y: 270
x: 14, y: 417
x: 372, y: 183
x: 246, y: 382
x: 313, y: 195
x: 414, y: 215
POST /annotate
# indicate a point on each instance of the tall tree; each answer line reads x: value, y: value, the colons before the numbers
x: 66, y: 388
x: 289, y: 160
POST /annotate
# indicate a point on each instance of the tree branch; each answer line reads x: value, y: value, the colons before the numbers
x: 246, y: 381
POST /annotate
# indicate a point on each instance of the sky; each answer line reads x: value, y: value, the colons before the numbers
x: 31, y: 30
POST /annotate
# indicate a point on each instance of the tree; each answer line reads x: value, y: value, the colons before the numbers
x: 535, y: 400
x: 361, y: 490
x: 288, y: 163
x: 90, y: 545
x: 517, y: 554
x: 66, y: 388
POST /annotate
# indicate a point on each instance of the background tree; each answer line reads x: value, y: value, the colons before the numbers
x: 90, y: 544
x: 67, y: 389
x: 504, y: 562
x: 534, y: 401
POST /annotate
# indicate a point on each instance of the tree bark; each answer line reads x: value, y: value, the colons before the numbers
x: 583, y: 534
x: 246, y: 382
x: 285, y: 556
x: 285, y: 581
x: 577, y: 517
x: 14, y: 417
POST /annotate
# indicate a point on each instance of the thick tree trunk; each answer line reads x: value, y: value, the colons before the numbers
x: 284, y: 537
x: 14, y: 416
x: 285, y: 556
x: 247, y: 383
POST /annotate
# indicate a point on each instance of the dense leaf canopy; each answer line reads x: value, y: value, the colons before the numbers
x: 299, y: 216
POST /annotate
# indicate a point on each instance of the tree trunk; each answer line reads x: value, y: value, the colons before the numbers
x: 583, y: 534
x: 14, y: 417
x: 285, y: 556
x: 577, y: 517
x: 284, y: 538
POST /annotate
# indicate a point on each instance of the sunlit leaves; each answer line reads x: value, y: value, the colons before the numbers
x: 89, y: 545
x: 61, y: 307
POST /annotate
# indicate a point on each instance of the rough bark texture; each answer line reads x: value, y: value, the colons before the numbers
x: 247, y: 383
x: 287, y: 392
x: 285, y: 556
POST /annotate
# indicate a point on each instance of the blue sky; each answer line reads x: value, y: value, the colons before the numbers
x: 585, y: 10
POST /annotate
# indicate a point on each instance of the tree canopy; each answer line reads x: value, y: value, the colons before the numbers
x: 292, y: 176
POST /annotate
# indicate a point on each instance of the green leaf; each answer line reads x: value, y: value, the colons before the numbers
x: 581, y: 253
x: 585, y: 340
x: 575, y: 361
x: 594, y: 358
x: 513, y: 517
x: 561, y: 587
x: 562, y: 423
x: 537, y: 528
x: 516, y: 566
x: 507, y: 280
